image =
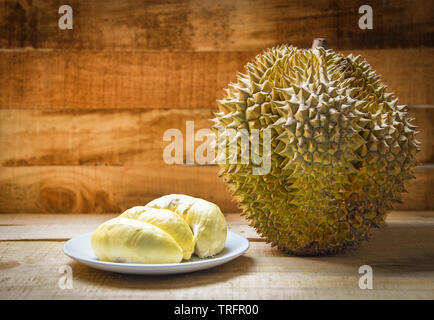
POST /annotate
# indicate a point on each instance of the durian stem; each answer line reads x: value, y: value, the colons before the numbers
x: 320, y: 42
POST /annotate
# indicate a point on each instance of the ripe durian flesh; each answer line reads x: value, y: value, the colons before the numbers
x: 341, y: 148
x: 134, y: 241
x: 168, y: 221
x: 204, y: 218
x: 166, y: 230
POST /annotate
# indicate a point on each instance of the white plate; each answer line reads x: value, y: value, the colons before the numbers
x: 79, y: 248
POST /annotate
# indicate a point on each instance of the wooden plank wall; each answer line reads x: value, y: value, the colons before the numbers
x: 83, y: 111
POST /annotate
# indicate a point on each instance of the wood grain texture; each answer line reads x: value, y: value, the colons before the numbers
x: 51, y: 80
x: 102, y: 189
x: 120, y: 137
x: 424, y: 120
x: 99, y: 80
x: 207, y: 25
x: 420, y: 191
x: 85, y: 189
x: 401, y: 255
x: 92, y: 137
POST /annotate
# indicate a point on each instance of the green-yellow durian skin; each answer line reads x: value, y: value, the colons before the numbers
x: 341, y: 148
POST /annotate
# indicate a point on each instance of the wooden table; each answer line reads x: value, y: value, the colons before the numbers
x: 401, y: 255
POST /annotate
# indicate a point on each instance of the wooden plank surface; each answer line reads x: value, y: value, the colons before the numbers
x: 400, y: 255
x: 98, y: 80
x: 424, y: 120
x: 120, y: 137
x: 207, y: 25
x: 420, y: 191
x: 102, y: 189
x: 93, y: 137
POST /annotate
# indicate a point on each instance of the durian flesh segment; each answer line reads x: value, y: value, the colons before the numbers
x: 134, y: 241
x: 167, y: 221
x: 342, y: 148
x: 204, y: 218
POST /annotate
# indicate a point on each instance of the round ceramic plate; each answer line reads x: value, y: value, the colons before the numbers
x: 79, y: 248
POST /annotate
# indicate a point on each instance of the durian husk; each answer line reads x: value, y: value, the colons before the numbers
x: 341, y: 148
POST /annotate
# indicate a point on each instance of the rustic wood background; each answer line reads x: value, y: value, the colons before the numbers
x: 83, y: 111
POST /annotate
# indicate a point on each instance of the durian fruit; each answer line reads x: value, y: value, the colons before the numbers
x: 166, y: 230
x: 168, y: 221
x: 134, y: 241
x: 204, y: 218
x: 341, y: 148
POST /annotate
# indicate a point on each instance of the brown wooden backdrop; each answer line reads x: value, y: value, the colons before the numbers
x: 83, y: 111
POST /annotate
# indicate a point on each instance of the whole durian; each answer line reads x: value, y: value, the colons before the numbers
x: 341, y: 148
